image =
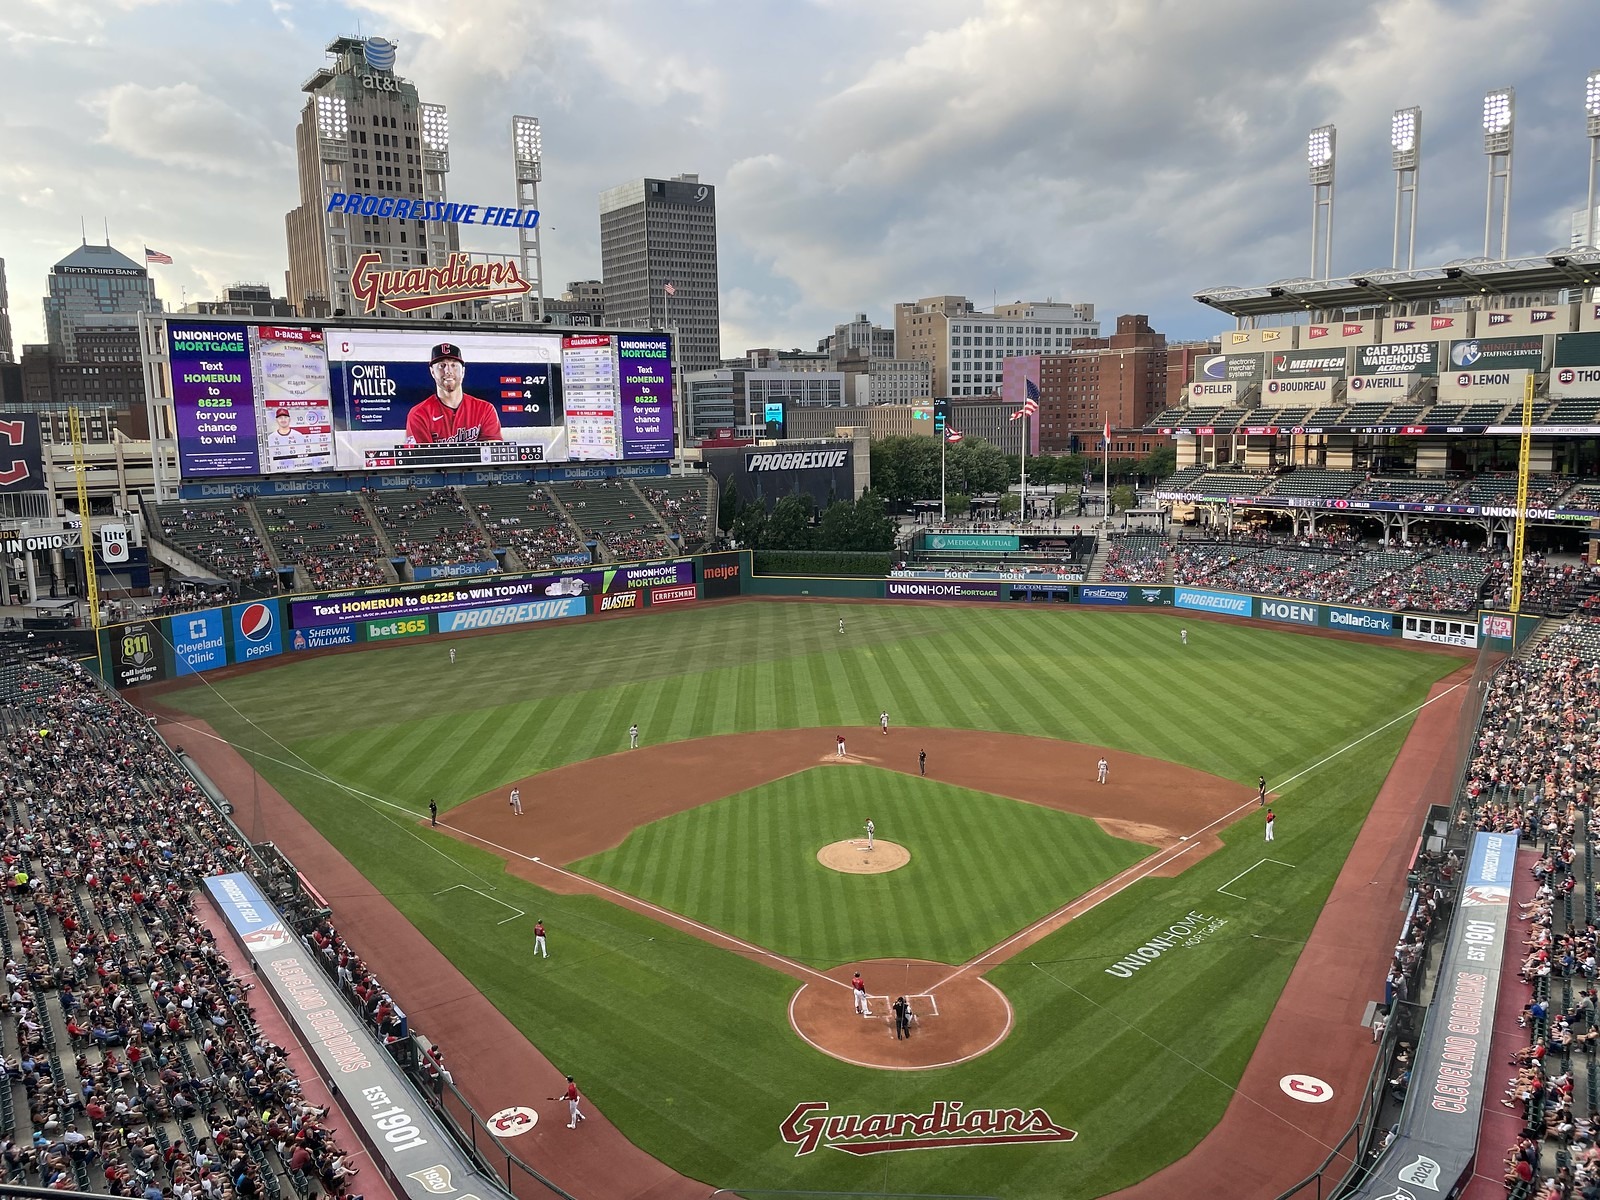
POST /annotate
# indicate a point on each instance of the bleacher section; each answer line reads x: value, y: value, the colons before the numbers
x: 687, y: 503
x: 1407, y: 488
x: 329, y: 537
x: 1311, y: 481
x: 1136, y: 558
x: 215, y: 534
x: 133, y: 1062
x: 1501, y: 489
x: 431, y: 527
x: 526, y: 521
x: 614, y: 514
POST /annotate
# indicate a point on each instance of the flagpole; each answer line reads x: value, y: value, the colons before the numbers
x: 944, y: 442
x: 1106, y: 458
x: 1024, y: 508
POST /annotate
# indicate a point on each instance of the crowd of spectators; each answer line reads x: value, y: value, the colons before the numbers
x: 432, y: 528
x: 1547, y: 587
x: 334, y: 545
x: 1136, y: 558
x: 683, y: 510
x: 539, y: 536
x: 611, y: 512
x: 1532, y: 771
x: 220, y: 537
x: 133, y: 1040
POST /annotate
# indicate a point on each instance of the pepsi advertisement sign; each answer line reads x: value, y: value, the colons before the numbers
x: 198, y: 643
x: 257, y: 630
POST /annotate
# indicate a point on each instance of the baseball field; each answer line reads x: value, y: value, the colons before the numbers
x: 692, y: 923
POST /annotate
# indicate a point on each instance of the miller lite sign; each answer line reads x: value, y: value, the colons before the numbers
x: 114, y: 543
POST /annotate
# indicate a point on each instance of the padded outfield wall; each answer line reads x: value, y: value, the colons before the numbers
x: 154, y: 649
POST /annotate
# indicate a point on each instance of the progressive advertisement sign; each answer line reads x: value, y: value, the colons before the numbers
x: 387, y: 607
x: 279, y: 400
x: 1202, y: 600
x: 1398, y: 358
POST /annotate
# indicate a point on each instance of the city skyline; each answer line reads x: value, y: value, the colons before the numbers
x: 1146, y: 156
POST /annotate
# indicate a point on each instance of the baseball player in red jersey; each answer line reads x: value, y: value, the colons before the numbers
x: 450, y: 415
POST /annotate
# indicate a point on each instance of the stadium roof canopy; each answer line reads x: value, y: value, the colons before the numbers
x: 1412, y: 291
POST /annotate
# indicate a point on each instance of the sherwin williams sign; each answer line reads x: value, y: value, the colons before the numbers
x: 1360, y: 620
x: 1217, y: 602
x: 1002, y: 542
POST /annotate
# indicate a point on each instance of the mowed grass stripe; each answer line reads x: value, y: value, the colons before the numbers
x: 959, y: 895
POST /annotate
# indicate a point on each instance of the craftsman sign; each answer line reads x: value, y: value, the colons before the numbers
x: 947, y: 1123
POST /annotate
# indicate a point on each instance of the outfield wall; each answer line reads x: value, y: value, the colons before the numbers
x: 155, y: 649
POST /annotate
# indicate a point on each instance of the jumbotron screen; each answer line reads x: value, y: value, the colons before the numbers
x: 286, y: 399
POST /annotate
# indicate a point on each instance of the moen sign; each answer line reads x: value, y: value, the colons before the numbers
x: 410, y: 289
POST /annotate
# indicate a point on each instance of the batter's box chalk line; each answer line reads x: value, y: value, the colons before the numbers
x: 1224, y: 888
x: 921, y: 1003
x: 515, y: 912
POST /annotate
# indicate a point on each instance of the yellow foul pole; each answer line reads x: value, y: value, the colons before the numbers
x: 75, y: 423
x: 1523, y: 455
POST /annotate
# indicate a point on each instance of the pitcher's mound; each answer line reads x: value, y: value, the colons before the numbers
x: 853, y: 857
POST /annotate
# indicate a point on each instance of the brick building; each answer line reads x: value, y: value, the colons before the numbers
x: 1121, y: 378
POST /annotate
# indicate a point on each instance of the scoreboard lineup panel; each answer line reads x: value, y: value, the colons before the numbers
x: 269, y: 400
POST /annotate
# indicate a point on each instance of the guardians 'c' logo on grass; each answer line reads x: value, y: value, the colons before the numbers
x: 945, y: 1124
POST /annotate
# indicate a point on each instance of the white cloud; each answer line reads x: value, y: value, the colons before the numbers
x: 1125, y: 154
x: 181, y: 126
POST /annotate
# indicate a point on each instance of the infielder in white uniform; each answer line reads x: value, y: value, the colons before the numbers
x: 871, y: 829
x: 883, y: 723
x: 1101, y: 771
x: 516, y: 801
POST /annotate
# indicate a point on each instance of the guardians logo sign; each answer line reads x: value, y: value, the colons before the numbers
x: 947, y: 1123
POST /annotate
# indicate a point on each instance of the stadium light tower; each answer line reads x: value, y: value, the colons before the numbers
x: 1591, y: 107
x: 1405, y: 143
x: 1319, y: 155
x: 435, y: 122
x: 527, y: 151
x: 1499, y: 118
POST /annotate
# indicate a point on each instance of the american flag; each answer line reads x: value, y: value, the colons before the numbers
x: 670, y: 290
x: 155, y: 256
x: 953, y: 436
x: 1030, y: 406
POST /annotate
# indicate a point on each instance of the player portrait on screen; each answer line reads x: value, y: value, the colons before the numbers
x: 287, y: 448
x: 449, y: 414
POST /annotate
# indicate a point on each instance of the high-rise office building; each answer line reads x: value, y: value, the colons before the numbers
x: 364, y: 131
x: 8, y: 353
x: 657, y: 234
x: 967, y: 348
x: 93, y: 281
x: 1121, y: 379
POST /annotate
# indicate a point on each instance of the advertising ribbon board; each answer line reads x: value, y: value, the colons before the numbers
x: 994, y: 542
x: 418, y: 1156
x: 386, y: 606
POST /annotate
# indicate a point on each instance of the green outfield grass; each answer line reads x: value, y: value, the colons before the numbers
x: 687, y: 1047
x: 981, y: 866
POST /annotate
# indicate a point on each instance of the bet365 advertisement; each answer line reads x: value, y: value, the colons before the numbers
x: 273, y: 399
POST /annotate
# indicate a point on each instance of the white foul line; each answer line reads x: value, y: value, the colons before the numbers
x: 486, y: 896
x: 1162, y: 857
x: 715, y: 934
x: 1224, y: 888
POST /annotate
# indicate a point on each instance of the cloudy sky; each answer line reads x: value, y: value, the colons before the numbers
x: 865, y: 151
